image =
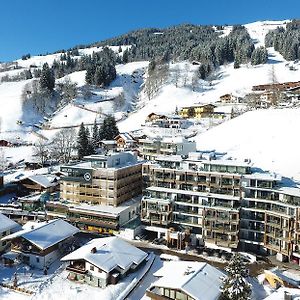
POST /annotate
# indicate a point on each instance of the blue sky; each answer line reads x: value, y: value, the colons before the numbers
x: 40, y: 26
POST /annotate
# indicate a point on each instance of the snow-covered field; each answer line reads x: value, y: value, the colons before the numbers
x: 267, y: 137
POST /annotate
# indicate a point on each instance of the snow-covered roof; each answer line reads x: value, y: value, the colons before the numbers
x: 126, y: 137
x: 282, y: 292
x: 291, y: 276
x: 110, y: 253
x: 174, y: 158
x: 264, y: 176
x: 174, y: 140
x: 108, y: 142
x: 106, y: 209
x: 45, y: 234
x: 197, y: 279
x: 292, y: 191
x: 44, y: 180
x: 6, y: 223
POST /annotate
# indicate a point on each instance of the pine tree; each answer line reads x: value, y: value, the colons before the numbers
x: 125, y: 56
x: 89, y: 149
x: 82, y: 142
x: 235, y: 285
x: 236, y: 64
x: 95, y: 136
x: 108, y: 129
x: 47, y: 80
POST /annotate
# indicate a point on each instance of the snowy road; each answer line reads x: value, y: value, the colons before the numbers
x: 140, y: 289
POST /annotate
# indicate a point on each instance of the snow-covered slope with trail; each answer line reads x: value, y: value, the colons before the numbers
x: 268, y: 137
x: 133, y: 105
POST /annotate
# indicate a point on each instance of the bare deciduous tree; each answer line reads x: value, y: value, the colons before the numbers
x: 64, y: 143
x: 41, y: 151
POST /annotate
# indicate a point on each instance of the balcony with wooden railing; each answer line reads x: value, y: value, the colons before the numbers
x: 77, y: 267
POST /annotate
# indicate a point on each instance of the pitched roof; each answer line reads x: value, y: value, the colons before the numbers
x: 197, y: 279
x: 6, y: 223
x: 111, y: 252
x: 126, y: 137
x: 44, y: 180
x: 45, y: 234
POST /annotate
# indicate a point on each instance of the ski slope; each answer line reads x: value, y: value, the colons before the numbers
x: 267, y: 137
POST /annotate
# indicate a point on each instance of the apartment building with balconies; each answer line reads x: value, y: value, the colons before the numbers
x: 151, y: 148
x: 226, y: 202
x: 197, y: 192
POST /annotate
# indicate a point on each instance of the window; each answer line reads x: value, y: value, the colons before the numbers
x: 92, y: 268
x: 37, y: 259
x: 180, y: 296
x: 167, y: 292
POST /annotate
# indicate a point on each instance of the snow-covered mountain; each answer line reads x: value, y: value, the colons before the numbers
x: 267, y: 137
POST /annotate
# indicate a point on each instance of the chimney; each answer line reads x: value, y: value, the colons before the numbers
x: 93, y: 250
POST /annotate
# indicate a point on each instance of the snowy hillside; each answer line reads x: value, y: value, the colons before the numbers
x: 126, y: 98
x: 267, y: 137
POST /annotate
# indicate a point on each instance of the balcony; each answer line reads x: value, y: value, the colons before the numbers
x: 272, y: 246
x: 77, y: 268
x: 154, y: 293
x: 223, y: 243
x: 24, y: 248
x: 273, y: 223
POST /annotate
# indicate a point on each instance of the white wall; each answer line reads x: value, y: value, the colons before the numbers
x: 95, y: 273
x: 46, y: 260
x: 124, y: 215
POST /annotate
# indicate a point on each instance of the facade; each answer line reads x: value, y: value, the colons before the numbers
x: 102, y: 179
x: 108, y: 145
x: 103, y: 218
x: 285, y: 86
x: 7, y: 226
x: 40, y: 244
x: 152, y: 148
x: 155, y: 116
x: 225, y: 202
x: 170, y: 121
x: 125, y: 141
x: 103, y: 261
x: 186, y: 280
x: 197, y: 111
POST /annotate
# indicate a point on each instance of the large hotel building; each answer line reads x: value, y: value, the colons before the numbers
x: 225, y: 202
x: 102, y: 179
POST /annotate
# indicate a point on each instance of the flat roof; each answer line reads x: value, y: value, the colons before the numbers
x: 114, y: 211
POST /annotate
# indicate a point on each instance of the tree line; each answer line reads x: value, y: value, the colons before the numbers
x: 286, y: 41
x: 88, y: 141
x: 66, y: 141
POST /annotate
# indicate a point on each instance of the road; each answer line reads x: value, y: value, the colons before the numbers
x: 140, y: 290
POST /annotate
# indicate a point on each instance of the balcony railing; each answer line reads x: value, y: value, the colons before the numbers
x: 76, y: 269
